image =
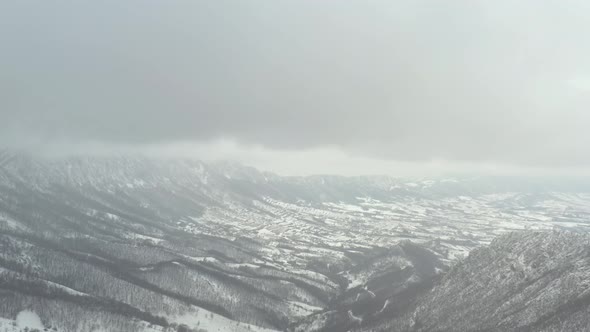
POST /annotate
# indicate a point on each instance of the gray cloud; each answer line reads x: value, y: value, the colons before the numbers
x: 486, y: 81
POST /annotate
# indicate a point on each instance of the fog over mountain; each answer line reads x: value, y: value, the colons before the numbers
x: 492, y: 82
x: 270, y: 165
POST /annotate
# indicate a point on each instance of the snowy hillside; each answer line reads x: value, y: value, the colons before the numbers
x: 523, y: 281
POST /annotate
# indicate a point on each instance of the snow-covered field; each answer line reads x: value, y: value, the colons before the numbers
x: 458, y: 223
x: 25, y: 320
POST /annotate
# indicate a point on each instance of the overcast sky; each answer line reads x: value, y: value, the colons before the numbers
x: 304, y: 86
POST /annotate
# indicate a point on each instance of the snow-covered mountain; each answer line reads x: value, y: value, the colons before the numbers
x: 522, y: 281
x: 140, y: 244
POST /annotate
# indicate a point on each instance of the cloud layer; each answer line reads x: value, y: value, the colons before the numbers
x: 462, y: 81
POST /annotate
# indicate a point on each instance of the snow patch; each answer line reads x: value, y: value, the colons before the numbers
x: 208, y: 321
x: 29, y: 319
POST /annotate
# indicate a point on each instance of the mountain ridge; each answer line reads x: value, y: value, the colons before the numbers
x: 213, y: 246
x: 522, y: 281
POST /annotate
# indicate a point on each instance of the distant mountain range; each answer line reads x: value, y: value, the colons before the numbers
x: 141, y: 244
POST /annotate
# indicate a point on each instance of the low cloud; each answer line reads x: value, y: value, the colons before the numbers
x: 476, y: 83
